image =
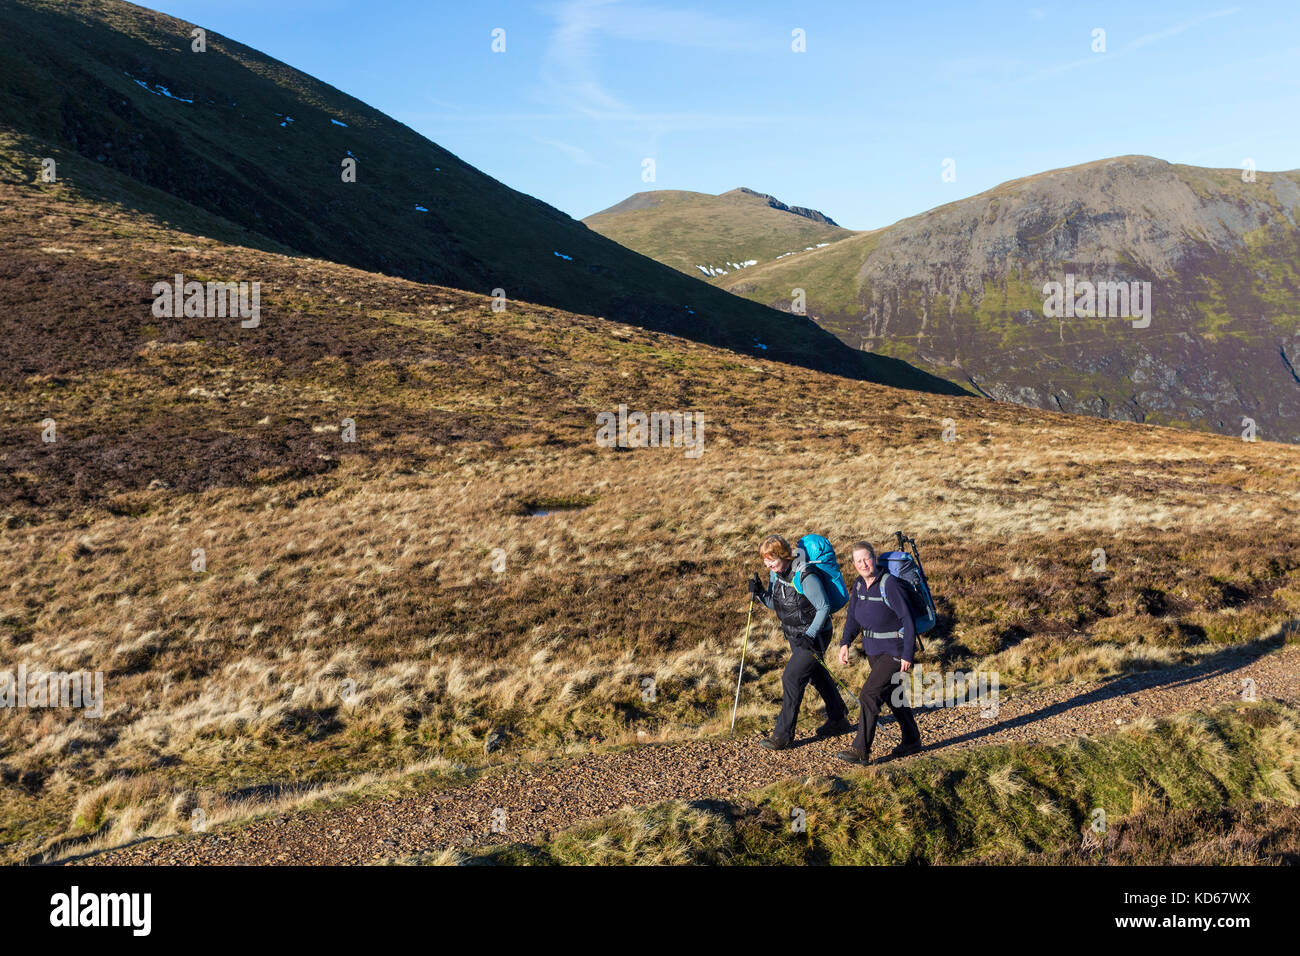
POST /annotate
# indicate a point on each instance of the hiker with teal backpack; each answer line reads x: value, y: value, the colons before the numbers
x: 889, y: 604
x: 804, y: 588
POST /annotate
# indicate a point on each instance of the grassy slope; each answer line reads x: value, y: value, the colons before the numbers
x: 1218, y: 788
x: 826, y: 275
x: 373, y: 562
x: 68, y: 87
x: 687, y: 229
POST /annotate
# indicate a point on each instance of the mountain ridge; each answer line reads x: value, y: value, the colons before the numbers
x: 649, y: 198
x: 803, y: 211
x: 710, y: 236
x: 960, y: 290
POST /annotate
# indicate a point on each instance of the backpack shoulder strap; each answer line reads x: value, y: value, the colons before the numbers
x: 884, y: 576
x: 798, y: 565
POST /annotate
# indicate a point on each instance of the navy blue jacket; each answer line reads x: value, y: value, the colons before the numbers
x: 869, y: 613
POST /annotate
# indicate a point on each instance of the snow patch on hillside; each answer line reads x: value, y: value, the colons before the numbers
x: 713, y: 272
x: 732, y: 267
x: 804, y: 249
x: 157, y: 89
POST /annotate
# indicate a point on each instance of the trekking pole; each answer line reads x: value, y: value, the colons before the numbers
x: 744, y: 647
x: 852, y: 696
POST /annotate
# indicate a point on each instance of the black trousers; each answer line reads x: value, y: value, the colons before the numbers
x: 878, y: 690
x: 804, y: 668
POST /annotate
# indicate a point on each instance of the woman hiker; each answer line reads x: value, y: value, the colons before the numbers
x: 889, y: 641
x: 806, y: 620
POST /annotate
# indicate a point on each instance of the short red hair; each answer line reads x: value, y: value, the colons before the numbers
x: 775, y: 546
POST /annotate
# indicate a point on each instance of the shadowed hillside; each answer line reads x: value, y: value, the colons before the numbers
x: 233, y: 144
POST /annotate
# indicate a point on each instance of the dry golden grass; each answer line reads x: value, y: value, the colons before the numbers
x: 350, y: 620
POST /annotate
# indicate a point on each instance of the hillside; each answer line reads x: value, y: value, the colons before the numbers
x: 235, y: 145
x: 713, y: 237
x: 390, y: 610
x: 959, y: 290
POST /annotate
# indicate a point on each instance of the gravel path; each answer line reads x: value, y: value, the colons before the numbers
x: 538, y: 799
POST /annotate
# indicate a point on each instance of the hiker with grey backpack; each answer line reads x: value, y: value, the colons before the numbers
x: 889, y: 610
x: 804, y: 588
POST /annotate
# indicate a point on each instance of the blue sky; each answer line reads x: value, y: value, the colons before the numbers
x: 858, y: 126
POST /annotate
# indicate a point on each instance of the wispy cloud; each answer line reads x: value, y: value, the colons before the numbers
x: 575, y: 153
x: 1150, y: 38
x: 570, y: 72
x: 1129, y: 48
x: 568, y: 66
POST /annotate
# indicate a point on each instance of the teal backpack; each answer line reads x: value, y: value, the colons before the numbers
x: 818, y: 554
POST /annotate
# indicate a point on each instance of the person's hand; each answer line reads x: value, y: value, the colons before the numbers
x: 904, y: 666
x: 755, y: 585
x: 844, y: 655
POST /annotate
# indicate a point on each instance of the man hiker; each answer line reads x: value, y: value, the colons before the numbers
x: 889, y: 641
x: 806, y: 620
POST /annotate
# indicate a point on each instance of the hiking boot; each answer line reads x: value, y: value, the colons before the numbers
x: 852, y: 756
x: 834, y: 728
x: 775, y: 743
x: 902, y: 750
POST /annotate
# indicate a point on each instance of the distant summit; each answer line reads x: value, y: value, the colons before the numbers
x: 711, y: 237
